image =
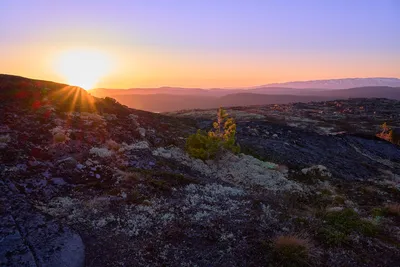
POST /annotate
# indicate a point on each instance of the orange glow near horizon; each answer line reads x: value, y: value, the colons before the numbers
x: 119, y: 66
x: 82, y: 67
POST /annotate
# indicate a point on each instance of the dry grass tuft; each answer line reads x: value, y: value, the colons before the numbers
x: 393, y: 209
x: 294, y: 250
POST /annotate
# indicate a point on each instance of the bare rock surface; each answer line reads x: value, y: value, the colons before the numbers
x: 29, y: 238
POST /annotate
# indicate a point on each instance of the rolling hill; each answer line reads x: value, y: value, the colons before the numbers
x: 168, y: 101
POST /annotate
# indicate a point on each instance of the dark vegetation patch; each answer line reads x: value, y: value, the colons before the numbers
x: 162, y: 180
x: 339, y: 225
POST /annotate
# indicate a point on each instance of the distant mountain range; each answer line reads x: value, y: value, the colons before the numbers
x: 165, y: 99
x: 337, y: 83
x: 296, y: 88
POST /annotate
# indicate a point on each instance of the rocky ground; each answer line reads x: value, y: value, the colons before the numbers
x: 358, y: 116
x: 102, y: 185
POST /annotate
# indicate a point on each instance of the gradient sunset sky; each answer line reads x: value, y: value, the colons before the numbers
x: 204, y: 43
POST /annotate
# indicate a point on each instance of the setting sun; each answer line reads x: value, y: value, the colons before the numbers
x: 83, y: 67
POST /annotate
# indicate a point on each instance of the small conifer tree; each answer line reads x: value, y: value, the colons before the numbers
x: 205, y: 146
x: 387, y: 133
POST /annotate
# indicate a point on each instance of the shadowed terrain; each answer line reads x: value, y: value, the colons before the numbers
x: 166, y: 99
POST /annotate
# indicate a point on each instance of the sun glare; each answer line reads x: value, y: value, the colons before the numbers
x: 83, y: 67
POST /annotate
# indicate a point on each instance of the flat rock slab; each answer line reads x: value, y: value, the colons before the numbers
x: 347, y: 157
x: 29, y: 238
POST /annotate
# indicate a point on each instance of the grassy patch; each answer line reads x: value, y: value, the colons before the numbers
x: 340, y: 224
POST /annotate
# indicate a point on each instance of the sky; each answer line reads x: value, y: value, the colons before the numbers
x: 203, y: 43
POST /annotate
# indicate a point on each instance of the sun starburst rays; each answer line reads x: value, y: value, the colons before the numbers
x: 73, y: 98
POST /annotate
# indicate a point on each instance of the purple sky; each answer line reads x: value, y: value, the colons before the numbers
x: 206, y: 43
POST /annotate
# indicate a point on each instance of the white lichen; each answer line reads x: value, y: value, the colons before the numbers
x: 243, y: 170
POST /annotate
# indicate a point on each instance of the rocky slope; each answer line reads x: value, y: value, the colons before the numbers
x: 89, y: 182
